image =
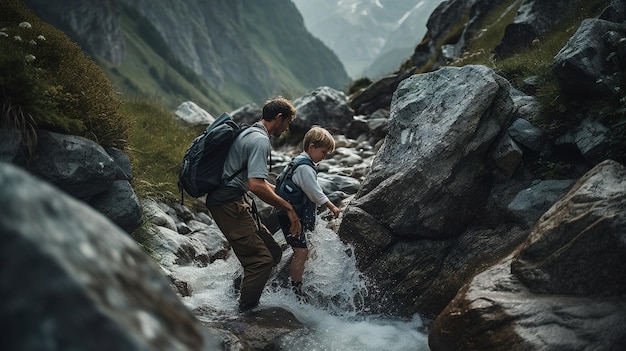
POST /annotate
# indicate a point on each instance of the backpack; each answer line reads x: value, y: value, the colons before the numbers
x: 288, y: 190
x: 203, y: 162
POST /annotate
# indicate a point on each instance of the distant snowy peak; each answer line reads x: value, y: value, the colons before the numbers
x: 360, y: 31
x: 409, y: 13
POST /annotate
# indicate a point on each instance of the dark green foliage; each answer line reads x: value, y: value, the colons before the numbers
x: 46, y: 81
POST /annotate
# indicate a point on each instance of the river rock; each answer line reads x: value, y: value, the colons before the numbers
x: 191, y: 113
x: 526, y: 134
x: 577, y: 248
x: 532, y: 202
x: 324, y: 106
x: 74, y: 280
x: 588, y: 66
x: 507, y: 155
x: 591, y: 138
x: 120, y: 204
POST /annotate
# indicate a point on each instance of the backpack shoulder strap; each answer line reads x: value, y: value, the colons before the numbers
x: 299, y: 161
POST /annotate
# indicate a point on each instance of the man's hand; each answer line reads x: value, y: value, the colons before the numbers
x: 265, y: 191
x: 296, y: 226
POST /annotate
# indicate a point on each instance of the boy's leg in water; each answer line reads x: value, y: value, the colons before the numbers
x: 296, y: 269
x: 296, y: 287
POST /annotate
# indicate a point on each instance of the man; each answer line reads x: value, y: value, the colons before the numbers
x: 233, y: 208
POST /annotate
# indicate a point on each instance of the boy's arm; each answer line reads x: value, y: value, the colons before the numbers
x: 308, y: 182
x: 306, y: 178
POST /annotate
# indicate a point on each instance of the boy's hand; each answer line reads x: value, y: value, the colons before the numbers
x: 331, y: 206
x: 335, y: 211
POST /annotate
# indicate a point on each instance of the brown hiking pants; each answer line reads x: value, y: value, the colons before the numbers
x: 252, y: 243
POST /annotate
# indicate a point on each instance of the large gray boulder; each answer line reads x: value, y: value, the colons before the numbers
x: 83, y: 169
x: 77, y: 165
x: 247, y: 114
x: 590, y: 65
x: 377, y: 95
x: 325, y: 107
x: 431, y: 166
x: 578, y: 246
x: 563, y: 289
x: 420, y: 223
x: 71, y: 280
x: 123, y: 167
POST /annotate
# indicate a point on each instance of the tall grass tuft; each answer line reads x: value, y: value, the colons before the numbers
x: 157, y: 144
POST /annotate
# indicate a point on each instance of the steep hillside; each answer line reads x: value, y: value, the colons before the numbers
x: 220, y: 54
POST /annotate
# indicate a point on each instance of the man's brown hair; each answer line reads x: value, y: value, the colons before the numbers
x: 279, y: 104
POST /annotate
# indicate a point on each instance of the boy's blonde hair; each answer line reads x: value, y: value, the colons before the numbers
x: 319, y: 137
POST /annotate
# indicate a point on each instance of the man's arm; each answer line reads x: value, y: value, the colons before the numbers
x: 265, y: 191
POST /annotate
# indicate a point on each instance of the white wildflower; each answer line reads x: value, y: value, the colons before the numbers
x: 29, y: 58
x: 3, y: 34
x: 32, y: 42
x: 25, y: 25
x: 41, y: 37
x: 17, y: 38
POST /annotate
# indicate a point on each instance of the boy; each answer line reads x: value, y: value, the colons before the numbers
x: 299, y: 186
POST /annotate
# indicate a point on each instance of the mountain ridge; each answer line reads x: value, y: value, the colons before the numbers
x: 240, y: 52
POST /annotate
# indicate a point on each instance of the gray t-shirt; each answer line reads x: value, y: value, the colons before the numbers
x: 248, y: 153
x: 306, y: 178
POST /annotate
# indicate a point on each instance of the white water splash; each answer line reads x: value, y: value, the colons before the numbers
x: 334, y: 314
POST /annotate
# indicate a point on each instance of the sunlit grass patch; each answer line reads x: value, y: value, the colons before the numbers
x: 157, y: 144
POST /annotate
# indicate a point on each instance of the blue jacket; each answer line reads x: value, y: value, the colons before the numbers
x: 292, y: 193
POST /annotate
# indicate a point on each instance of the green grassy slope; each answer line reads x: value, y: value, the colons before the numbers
x: 151, y: 71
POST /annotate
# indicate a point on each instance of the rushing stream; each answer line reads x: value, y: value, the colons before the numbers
x: 334, y: 314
